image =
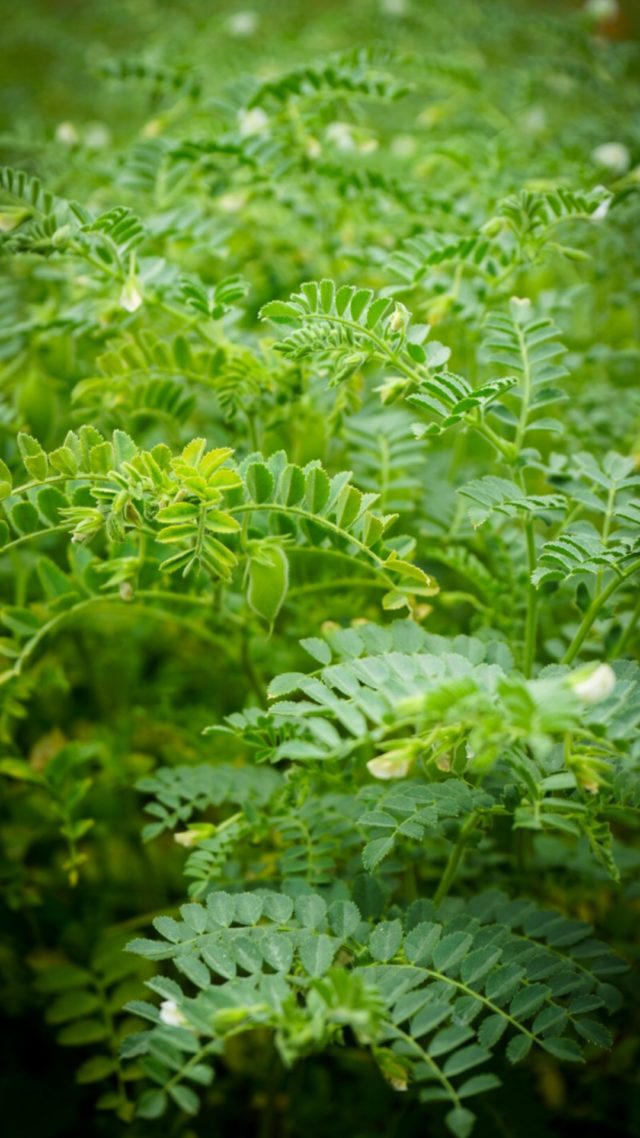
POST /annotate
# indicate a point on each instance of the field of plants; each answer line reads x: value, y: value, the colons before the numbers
x: 319, y: 569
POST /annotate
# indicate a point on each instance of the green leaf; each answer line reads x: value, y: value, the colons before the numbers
x: 95, y: 1069
x: 33, y: 456
x: 385, y: 940
x: 451, y: 950
x: 311, y: 910
x: 221, y: 907
x: 152, y: 1104
x: 566, y: 1049
x: 464, y: 1059
x: 317, y: 953
x: 259, y: 482
x: 344, y: 918
x: 185, y: 1098
x: 518, y: 1048
x: 420, y: 943
x: 375, y: 851
x: 248, y: 908
x: 460, y: 1122
x: 81, y: 1032
x: 61, y: 977
x: 72, y: 1005
x: 24, y: 518
x: 527, y: 1001
x: 6, y: 481
x: 194, y: 970
x: 18, y: 769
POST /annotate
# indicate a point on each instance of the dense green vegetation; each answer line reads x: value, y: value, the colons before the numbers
x: 320, y: 469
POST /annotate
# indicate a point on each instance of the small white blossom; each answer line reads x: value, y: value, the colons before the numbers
x: 614, y: 155
x: 186, y: 838
x: 67, y: 134
x: 253, y: 121
x: 395, y: 764
x: 340, y: 134
x: 394, y: 7
x: 602, y: 9
x: 232, y: 202
x: 130, y: 297
x: 171, y: 1015
x: 595, y: 685
x: 97, y: 136
x: 242, y: 24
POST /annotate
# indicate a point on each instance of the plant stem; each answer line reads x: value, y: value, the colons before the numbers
x: 622, y: 643
x: 592, y: 612
x: 454, y: 860
x: 531, y: 623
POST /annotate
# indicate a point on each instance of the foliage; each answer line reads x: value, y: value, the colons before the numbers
x: 319, y: 555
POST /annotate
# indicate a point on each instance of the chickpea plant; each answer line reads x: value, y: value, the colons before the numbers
x: 321, y: 500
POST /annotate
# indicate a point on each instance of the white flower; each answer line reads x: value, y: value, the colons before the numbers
x: 395, y: 764
x: 595, y: 685
x: 602, y: 9
x: 186, y: 838
x: 243, y: 24
x: 67, y: 134
x: 130, y: 297
x: 614, y: 155
x: 394, y: 7
x: 171, y: 1015
x: 232, y: 202
x: 97, y: 136
x: 253, y: 121
x: 339, y: 133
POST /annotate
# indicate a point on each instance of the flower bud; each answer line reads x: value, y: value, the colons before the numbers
x: 398, y: 318
x: 130, y: 297
x: 195, y: 834
x: 594, y: 685
x: 393, y: 764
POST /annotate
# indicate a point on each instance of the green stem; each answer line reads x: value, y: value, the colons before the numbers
x: 430, y: 1062
x: 622, y: 643
x: 69, y: 614
x: 591, y: 614
x: 504, y: 448
x: 454, y: 860
x: 531, y: 622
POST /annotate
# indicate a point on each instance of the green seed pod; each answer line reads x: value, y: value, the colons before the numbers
x: 267, y: 581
